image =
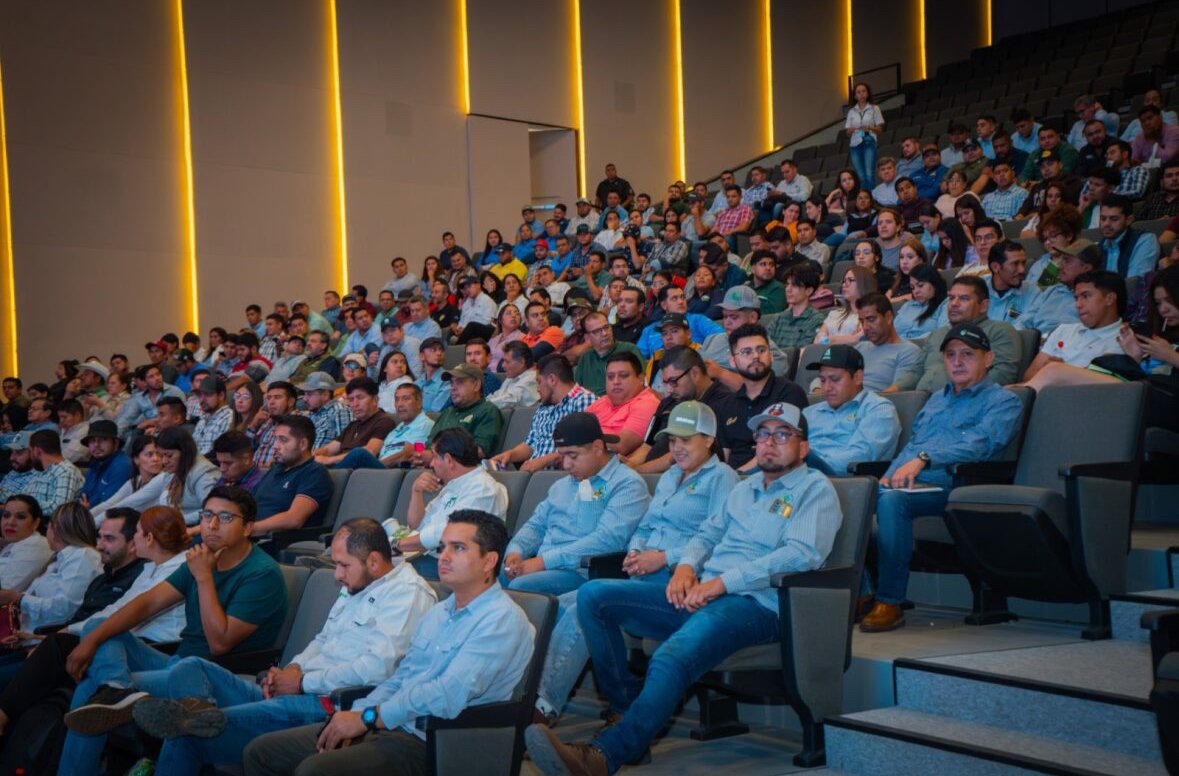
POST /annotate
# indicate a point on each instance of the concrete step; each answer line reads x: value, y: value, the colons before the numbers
x: 903, y: 742
x: 1126, y: 611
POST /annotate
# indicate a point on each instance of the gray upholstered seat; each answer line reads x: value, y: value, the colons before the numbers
x: 535, y: 492
x: 517, y: 427
x: 368, y: 493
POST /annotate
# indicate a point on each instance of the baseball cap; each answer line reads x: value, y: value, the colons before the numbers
x: 579, y: 428
x: 503, y: 248
x: 99, y: 369
x: 467, y: 280
x: 786, y: 413
x: 930, y: 149
x: 688, y: 418
x: 970, y: 144
x: 673, y: 319
x: 467, y: 371
x: 583, y: 229
x: 713, y: 254
x: 741, y: 298
x: 582, y: 201
x: 184, y: 356
x: 101, y: 429
x: 839, y: 357
x: 528, y: 209
x: 355, y: 359
x: 391, y: 322
x: 1085, y: 250
x: 578, y: 301
x: 1048, y: 155
x: 318, y: 381
x: 431, y: 342
x: 156, y: 344
x: 969, y: 333
x: 17, y: 441
x: 208, y: 384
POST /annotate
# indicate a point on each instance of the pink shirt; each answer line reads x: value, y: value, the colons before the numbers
x: 633, y: 416
x: 1142, y: 149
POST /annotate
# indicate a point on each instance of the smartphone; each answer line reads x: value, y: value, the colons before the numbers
x: 419, y: 447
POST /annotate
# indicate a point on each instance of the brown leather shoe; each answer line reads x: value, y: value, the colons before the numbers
x: 883, y: 617
x: 864, y: 605
x: 554, y: 757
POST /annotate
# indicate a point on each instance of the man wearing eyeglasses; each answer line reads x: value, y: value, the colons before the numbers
x: 235, y: 600
x: 672, y: 301
x: 590, y: 372
x: 752, y: 357
x: 718, y: 601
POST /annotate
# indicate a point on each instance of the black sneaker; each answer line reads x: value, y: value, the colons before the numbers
x: 166, y: 718
x: 108, y: 708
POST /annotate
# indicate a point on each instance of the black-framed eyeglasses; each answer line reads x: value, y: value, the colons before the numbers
x: 225, y: 518
x: 671, y: 381
x: 780, y: 436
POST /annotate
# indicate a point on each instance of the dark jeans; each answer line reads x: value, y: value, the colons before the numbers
x: 472, y: 331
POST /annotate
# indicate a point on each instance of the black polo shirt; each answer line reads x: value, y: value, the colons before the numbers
x: 722, y: 402
x: 107, y: 588
x: 630, y: 332
x: 738, y: 435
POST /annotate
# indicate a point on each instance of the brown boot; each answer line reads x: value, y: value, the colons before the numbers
x: 553, y: 757
x: 863, y: 606
x: 883, y: 617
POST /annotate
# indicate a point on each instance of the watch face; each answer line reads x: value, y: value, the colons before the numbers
x: 369, y: 716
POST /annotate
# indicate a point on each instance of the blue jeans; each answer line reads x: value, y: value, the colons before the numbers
x: 248, y: 716
x: 693, y: 643
x: 359, y: 458
x: 863, y: 158
x: 426, y: 565
x: 895, y: 512
x: 121, y: 661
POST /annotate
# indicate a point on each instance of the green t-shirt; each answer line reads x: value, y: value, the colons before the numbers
x: 590, y: 372
x: 482, y: 420
x: 253, y: 591
x: 772, y: 296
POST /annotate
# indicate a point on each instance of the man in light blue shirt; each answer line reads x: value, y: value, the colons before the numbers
x: 394, y: 338
x: 469, y: 650
x: 1087, y: 109
x: 672, y: 300
x: 1006, y: 286
x: 1128, y: 252
x: 718, y: 202
x: 413, y: 426
x: 1026, y: 134
x: 1151, y: 97
x: 366, y: 333
x: 420, y: 325
x: 141, y: 407
x: 971, y: 419
x: 435, y: 393
x: 1056, y: 304
x: 783, y: 519
x: 851, y: 424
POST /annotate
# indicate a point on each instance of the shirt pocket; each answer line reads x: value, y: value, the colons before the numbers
x: 589, y: 513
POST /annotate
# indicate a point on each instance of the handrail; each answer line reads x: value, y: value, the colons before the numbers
x: 772, y: 151
x: 855, y: 78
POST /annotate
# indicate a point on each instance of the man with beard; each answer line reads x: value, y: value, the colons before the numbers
x: 749, y: 348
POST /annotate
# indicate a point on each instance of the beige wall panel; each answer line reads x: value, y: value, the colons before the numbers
x: 629, y: 92
x: 723, y: 106
x: 884, y: 32
x: 521, y: 54
x: 500, y: 181
x: 809, y: 56
x: 952, y: 31
x: 553, y: 166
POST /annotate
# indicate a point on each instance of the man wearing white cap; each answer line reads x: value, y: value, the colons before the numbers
x: 719, y: 600
x: 740, y: 306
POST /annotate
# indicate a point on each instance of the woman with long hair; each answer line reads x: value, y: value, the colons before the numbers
x: 145, y: 464
x: 514, y: 293
x: 492, y: 286
x: 953, y: 245
x: 863, y: 125
x: 65, y: 371
x: 912, y: 254
x: 488, y: 257
x: 394, y: 373
x: 26, y: 552
x: 869, y: 255
x: 510, y: 327
x: 930, y: 219
x: 843, y: 196
x: 1054, y: 194
x: 842, y: 325
x: 925, y: 310
x: 431, y: 271
x: 247, y: 403
x: 186, y: 479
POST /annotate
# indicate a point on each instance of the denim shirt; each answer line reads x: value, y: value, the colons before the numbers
x: 679, y: 508
x: 578, y: 519
x: 456, y: 659
x: 1048, y: 309
x: 974, y: 424
x: 864, y: 429
x: 435, y: 393
x: 786, y: 526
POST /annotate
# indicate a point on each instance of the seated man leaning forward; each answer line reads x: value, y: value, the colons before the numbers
x: 469, y: 650
x: 210, y: 714
x: 782, y: 519
x: 971, y: 419
x: 234, y: 598
x: 694, y: 487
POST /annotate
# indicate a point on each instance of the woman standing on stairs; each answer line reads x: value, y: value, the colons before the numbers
x: 863, y: 125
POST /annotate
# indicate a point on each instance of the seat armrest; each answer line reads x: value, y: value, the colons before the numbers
x: 1166, y: 620
x: 489, y: 715
x: 1164, y: 634
x: 868, y: 468
x: 834, y: 577
x: 280, y: 540
x: 344, y: 697
x: 48, y: 630
x: 608, y: 566
x: 248, y: 662
x: 326, y: 538
x: 1115, y: 470
x: 983, y: 473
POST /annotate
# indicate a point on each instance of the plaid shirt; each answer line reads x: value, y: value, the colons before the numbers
x: 1134, y: 180
x: 264, y: 455
x: 270, y: 349
x: 58, y: 484
x: 730, y: 218
x: 329, y: 420
x: 1157, y: 206
x: 210, y: 427
x: 1003, y: 205
x: 16, y: 482
x: 755, y: 195
x: 540, y: 435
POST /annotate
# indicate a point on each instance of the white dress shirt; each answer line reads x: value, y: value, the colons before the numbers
x: 22, y: 562
x: 166, y: 625
x: 54, y: 596
x: 474, y: 490
x: 366, y: 633
x: 1077, y: 345
x: 518, y: 391
x: 481, y: 309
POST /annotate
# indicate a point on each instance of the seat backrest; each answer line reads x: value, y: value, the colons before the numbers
x: 295, y: 578
x: 517, y: 427
x: 1027, y: 397
x: 908, y: 404
x: 401, y: 506
x: 455, y: 355
x: 809, y: 355
x: 319, y: 594
x: 370, y: 493
x: 339, y: 483
x: 541, y: 611
x: 536, y: 491
x: 840, y: 268
x: 1074, y: 424
x: 506, y: 416
x: 791, y: 355
x: 652, y: 480
x: 516, y: 483
x: 1029, y: 346
x: 857, y: 501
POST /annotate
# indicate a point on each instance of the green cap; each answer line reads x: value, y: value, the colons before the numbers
x: 468, y: 371
x: 688, y: 418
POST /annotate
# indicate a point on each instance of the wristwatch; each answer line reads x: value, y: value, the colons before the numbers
x: 369, y: 718
x: 924, y: 458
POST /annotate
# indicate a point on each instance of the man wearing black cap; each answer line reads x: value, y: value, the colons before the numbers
x: 109, y: 468
x: 477, y: 314
x: 851, y: 424
x: 216, y: 415
x: 468, y: 410
x: 970, y: 419
x: 1051, y: 166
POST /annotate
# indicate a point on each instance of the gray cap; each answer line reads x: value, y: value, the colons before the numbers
x: 318, y: 381
x: 786, y: 413
x: 688, y: 418
x: 741, y: 298
x: 17, y: 441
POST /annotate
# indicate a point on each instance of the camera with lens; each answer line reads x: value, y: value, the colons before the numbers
x: 633, y: 232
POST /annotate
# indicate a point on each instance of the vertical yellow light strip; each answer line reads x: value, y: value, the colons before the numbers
x: 677, y: 49
x: 187, y: 198
x: 464, y: 57
x: 341, y: 212
x: 580, y: 85
x: 921, y: 40
x: 986, y: 22
x: 8, y: 360
x: 847, y: 44
x: 768, y: 41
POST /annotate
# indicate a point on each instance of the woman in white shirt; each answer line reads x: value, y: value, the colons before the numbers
x: 955, y: 187
x: 145, y: 464
x: 56, y: 594
x: 863, y: 125
x: 186, y: 479
x: 842, y: 325
x: 26, y: 552
x: 611, y: 237
x: 394, y: 372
